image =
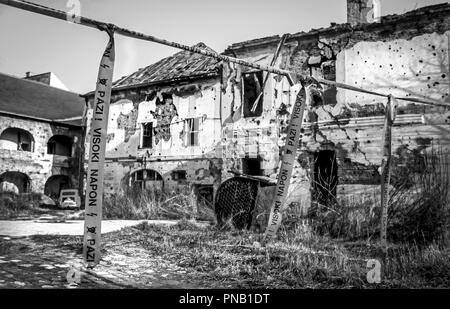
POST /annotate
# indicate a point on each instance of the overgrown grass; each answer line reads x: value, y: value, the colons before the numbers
x: 418, y: 212
x: 22, y: 205
x: 149, y: 204
x: 230, y: 258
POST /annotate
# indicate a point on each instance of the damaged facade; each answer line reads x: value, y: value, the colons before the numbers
x: 341, y: 145
x: 41, y: 137
x: 191, y: 120
x: 164, y: 127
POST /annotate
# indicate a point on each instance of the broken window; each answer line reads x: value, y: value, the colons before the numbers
x: 145, y: 179
x: 179, y: 175
x: 147, y: 135
x: 253, y: 94
x: 193, y: 127
x: 325, y: 177
x: 16, y: 139
x: 252, y: 166
x: 60, y: 145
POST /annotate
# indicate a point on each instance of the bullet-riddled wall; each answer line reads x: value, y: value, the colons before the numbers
x: 403, y: 55
x: 172, y: 132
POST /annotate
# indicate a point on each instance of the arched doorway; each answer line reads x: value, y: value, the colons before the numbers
x: 17, y: 139
x: 55, y: 184
x: 146, y: 179
x: 60, y: 145
x: 20, y: 180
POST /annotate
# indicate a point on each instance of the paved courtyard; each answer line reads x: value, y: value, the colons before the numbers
x: 41, y: 226
x: 30, y: 258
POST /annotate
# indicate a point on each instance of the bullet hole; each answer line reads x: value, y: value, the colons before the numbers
x: 436, y: 83
x: 429, y: 77
x: 433, y: 47
x: 421, y: 61
x: 417, y: 74
x: 429, y: 87
x: 381, y: 66
x: 434, y: 54
x: 444, y: 76
x: 369, y: 142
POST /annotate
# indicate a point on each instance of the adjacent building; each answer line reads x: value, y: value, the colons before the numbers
x: 41, y: 136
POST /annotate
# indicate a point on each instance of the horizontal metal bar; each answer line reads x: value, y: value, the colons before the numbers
x: 50, y: 12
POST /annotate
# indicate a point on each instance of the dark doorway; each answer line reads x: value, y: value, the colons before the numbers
x: 325, y: 177
x: 252, y: 166
x: 253, y: 94
x: 20, y: 180
x: 55, y: 184
x: 60, y: 145
x: 205, y: 195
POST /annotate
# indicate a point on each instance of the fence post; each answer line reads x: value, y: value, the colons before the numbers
x: 391, y: 107
x: 304, y: 98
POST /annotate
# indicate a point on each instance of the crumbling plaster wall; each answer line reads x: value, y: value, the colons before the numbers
x: 38, y: 165
x: 131, y: 108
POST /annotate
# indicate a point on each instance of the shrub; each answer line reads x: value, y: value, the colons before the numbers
x: 154, y: 204
x: 418, y: 208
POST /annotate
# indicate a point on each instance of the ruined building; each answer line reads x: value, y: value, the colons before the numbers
x: 191, y: 120
x: 341, y: 147
x: 164, y: 126
x: 41, y: 136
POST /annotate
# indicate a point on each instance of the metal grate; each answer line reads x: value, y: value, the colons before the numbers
x: 235, y: 201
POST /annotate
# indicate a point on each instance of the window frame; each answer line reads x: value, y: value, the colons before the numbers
x: 144, y: 130
x: 191, y: 133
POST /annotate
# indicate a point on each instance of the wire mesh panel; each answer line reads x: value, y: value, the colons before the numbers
x: 235, y: 201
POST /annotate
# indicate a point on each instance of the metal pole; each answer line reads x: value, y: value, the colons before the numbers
x: 386, y: 169
x: 43, y: 10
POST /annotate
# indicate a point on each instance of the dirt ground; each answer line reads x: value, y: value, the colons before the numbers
x: 189, y: 255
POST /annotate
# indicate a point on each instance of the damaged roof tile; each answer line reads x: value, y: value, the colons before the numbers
x: 181, y: 65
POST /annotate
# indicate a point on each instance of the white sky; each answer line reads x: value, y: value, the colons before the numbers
x: 31, y: 42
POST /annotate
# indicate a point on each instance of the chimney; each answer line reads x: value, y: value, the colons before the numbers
x: 363, y: 11
x: 27, y: 74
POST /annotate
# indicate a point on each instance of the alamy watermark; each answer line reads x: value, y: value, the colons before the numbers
x: 74, y: 11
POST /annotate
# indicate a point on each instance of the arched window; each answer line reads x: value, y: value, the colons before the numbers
x: 17, y: 139
x: 146, y: 179
x: 20, y: 180
x: 60, y: 145
x: 55, y: 184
